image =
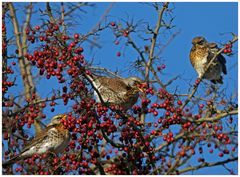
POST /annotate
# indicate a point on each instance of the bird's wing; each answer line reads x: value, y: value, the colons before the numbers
x: 95, y: 80
x: 40, y: 136
x: 212, y: 45
x: 114, y: 84
x: 91, y: 77
x: 192, y: 55
x: 214, y: 49
x: 222, y: 60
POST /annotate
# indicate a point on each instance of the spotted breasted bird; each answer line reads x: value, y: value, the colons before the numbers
x: 54, y: 138
x: 123, y: 92
x: 201, y: 54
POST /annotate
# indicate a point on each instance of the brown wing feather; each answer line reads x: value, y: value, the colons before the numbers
x: 192, y: 55
x: 214, y: 49
x: 222, y: 60
x: 115, y: 84
x: 40, y: 136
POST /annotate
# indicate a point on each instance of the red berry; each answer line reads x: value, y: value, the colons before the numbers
x: 225, y: 51
x: 41, y: 38
x: 179, y: 102
x: 27, y: 31
x: 5, y: 135
x: 80, y: 49
x: 226, y: 46
x: 163, y: 66
x: 37, y: 28
x: 197, y: 81
x: 125, y: 34
x: 220, y: 154
x: 76, y: 36
x: 72, y: 44
x: 155, y: 113
x: 56, y: 27
x: 118, y: 54
x: 113, y: 24
x: 201, y: 106
x: 229, y: 50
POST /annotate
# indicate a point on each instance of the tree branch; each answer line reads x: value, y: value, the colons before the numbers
x: 154, y: 39
x: 207, y: 164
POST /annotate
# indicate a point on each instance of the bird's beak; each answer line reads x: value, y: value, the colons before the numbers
x: 141, y: 87
x: 64, y: 117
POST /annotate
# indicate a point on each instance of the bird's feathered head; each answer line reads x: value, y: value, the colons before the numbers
x: 199, y: 40
x: 57, y: 119
x: 134, y: 82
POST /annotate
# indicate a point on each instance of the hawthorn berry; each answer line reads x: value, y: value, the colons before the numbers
x: 118, y: 54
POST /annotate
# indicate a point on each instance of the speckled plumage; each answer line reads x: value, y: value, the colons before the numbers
x: 121, y: 92
x: 53, y: 138
x: 201, y: 54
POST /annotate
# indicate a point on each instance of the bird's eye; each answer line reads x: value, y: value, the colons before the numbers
x: 136, y: 82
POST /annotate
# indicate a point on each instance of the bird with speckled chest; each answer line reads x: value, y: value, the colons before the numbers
x: 54, y: 138
x: 201, y: 54
x: 123, y: 92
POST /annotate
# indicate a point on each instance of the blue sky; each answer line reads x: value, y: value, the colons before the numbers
x: 214, y: 21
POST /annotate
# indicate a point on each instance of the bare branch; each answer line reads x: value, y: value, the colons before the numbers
x: 214, y: 119
x: 49, y: 12
x: 207, y: 164
x: 154, y: 39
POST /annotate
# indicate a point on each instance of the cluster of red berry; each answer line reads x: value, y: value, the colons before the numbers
x: 227, y: 48
x: 91, y: 122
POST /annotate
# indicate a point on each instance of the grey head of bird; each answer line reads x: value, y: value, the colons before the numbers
x: 199, y: 40
x: 57, y: 119
x: 134, y: 82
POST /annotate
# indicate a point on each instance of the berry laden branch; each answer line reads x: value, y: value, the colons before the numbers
x: 24, y: 64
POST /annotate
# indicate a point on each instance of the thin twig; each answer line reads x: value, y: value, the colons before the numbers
x: 207, y: 164
x: 154, y: 38
x: 216, y: 118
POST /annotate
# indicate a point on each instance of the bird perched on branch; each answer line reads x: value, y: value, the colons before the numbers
x: 201, y: 54
x: 54, y: 138
x: 116, y: 91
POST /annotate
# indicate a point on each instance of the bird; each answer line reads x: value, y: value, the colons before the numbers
x: 54, y: 138
x: 201, y: 54
x: 123, y: 92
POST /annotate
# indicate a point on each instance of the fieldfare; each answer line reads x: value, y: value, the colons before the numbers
x: 121, y: 92
x: 54, y: 138
x: 201, y: 54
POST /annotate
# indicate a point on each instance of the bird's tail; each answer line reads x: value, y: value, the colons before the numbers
x: 10, y: 162
x: 92, y: 78
x: 86, y: 73
x: 220, y: 81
